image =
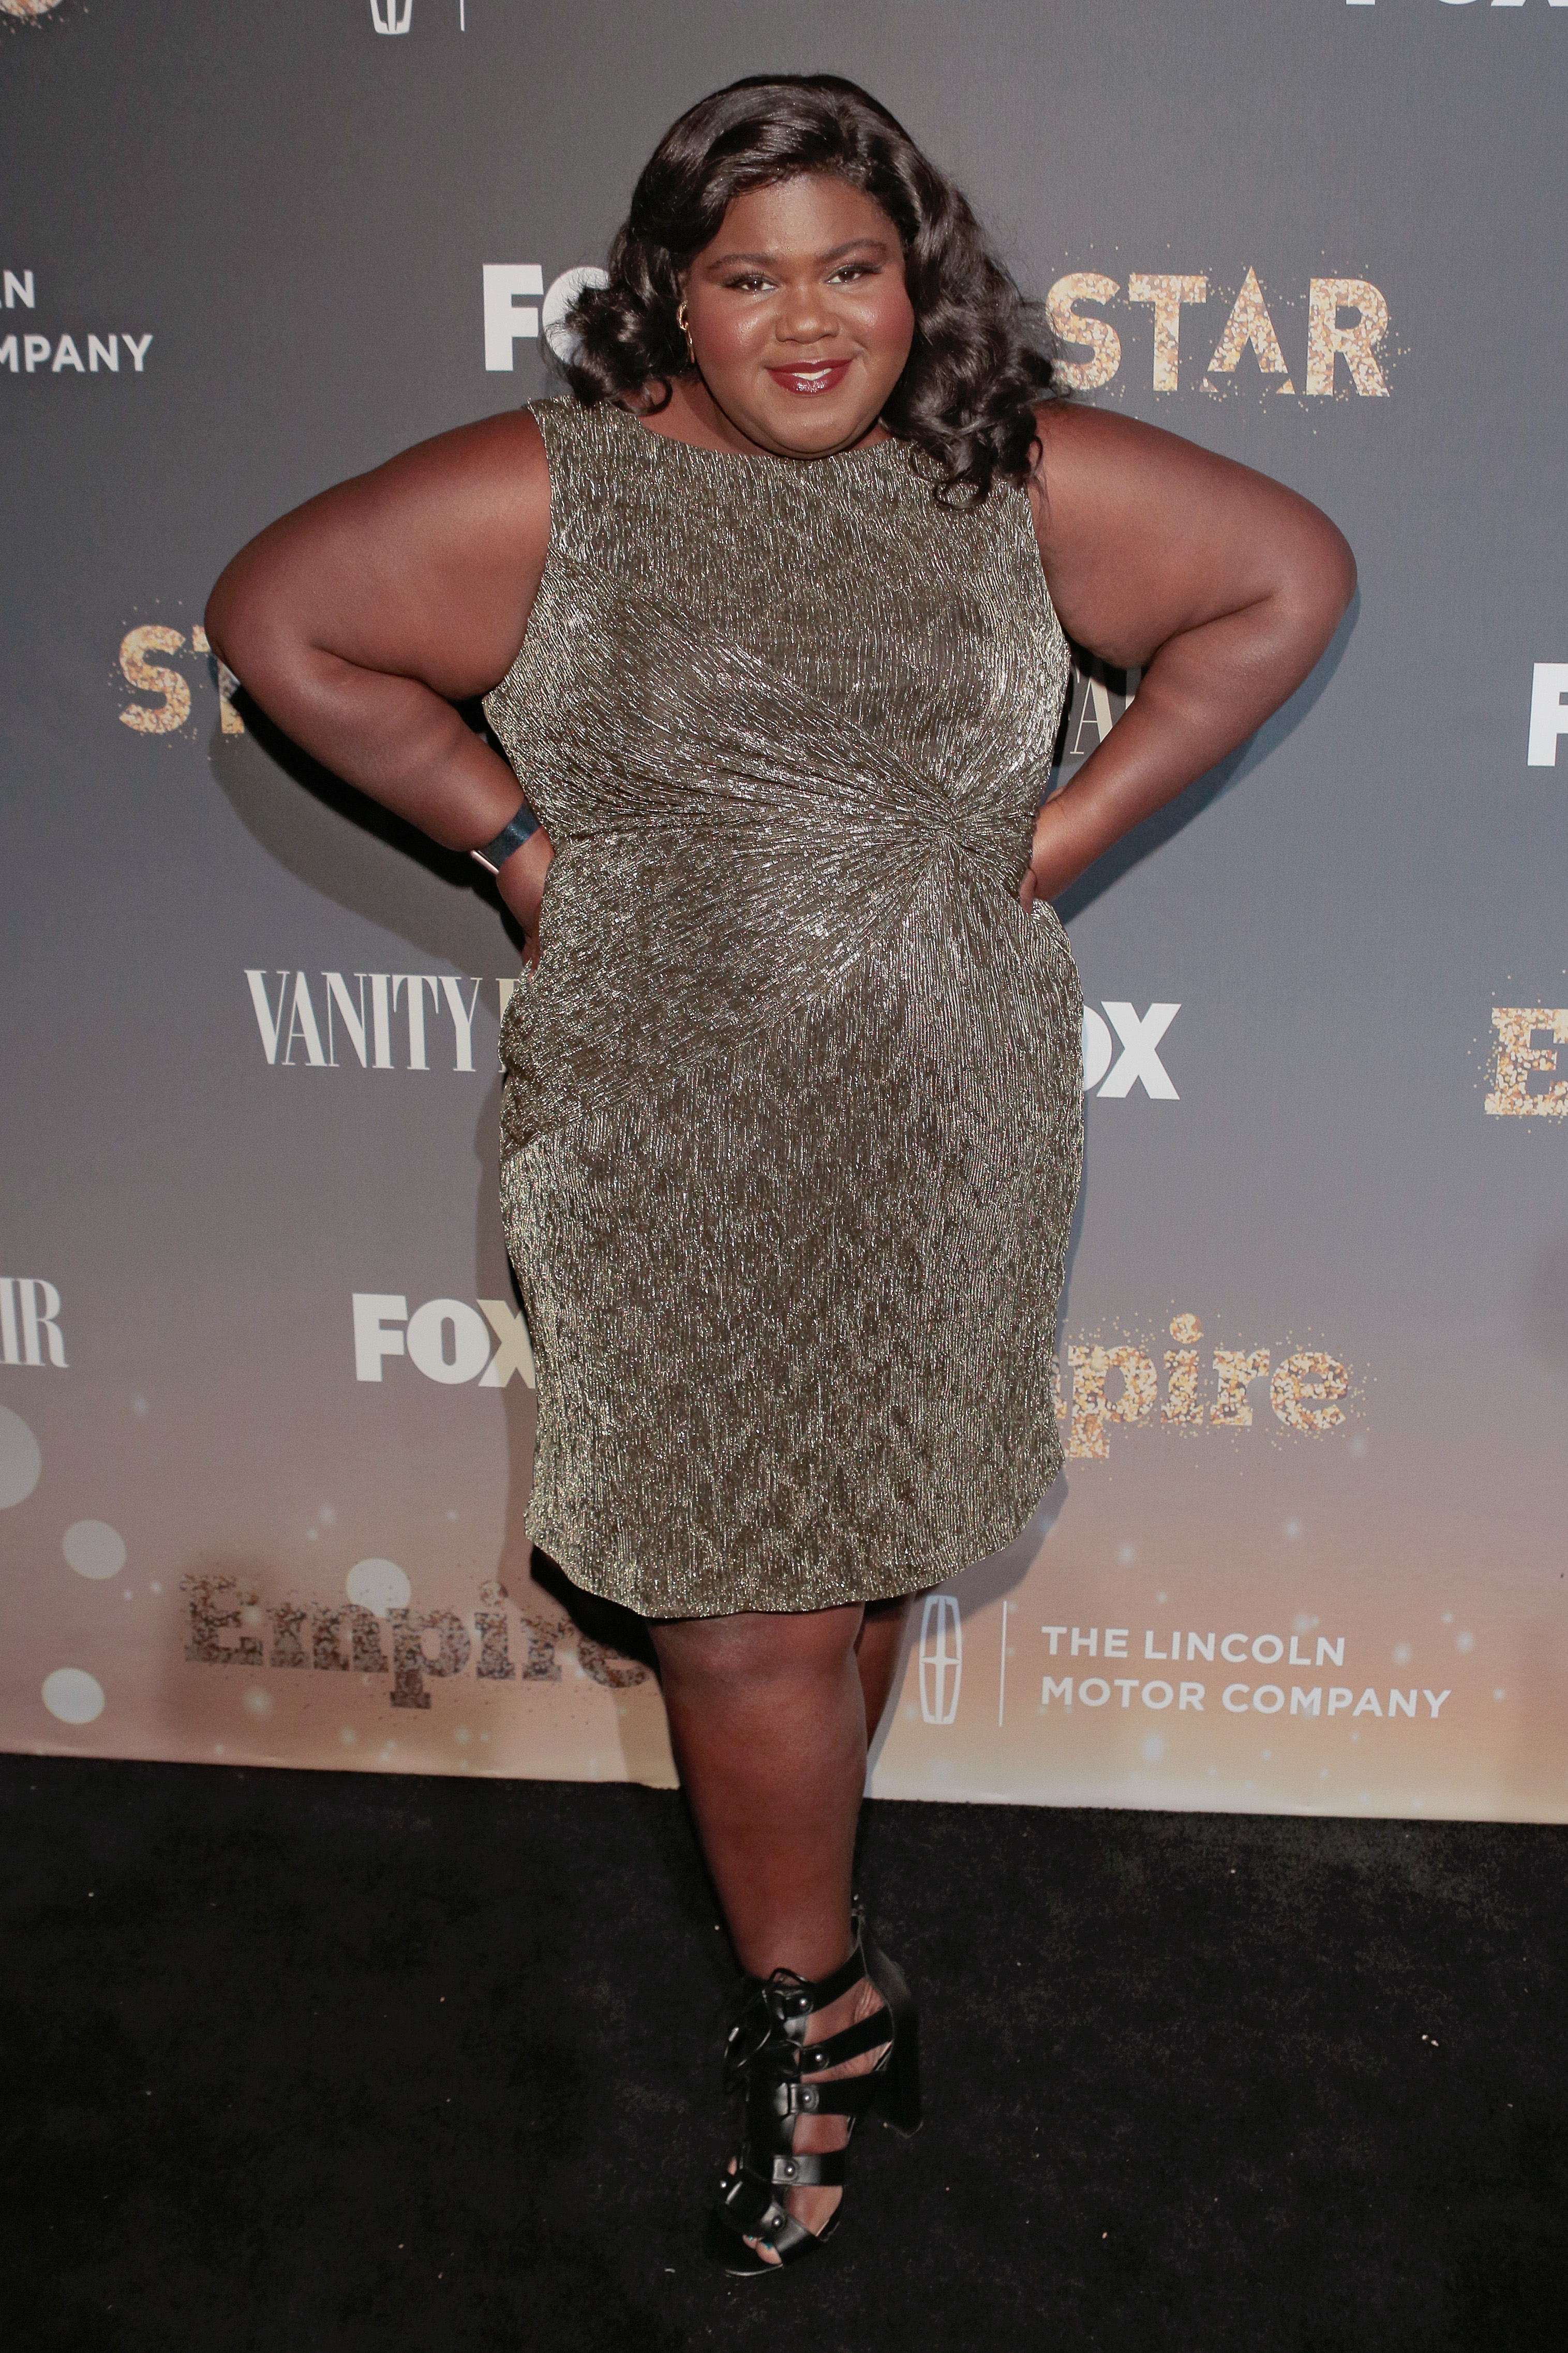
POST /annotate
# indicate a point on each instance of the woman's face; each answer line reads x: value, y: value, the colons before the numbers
x: 799, y: 317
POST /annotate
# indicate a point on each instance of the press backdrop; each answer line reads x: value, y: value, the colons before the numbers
x: 265, y: 1413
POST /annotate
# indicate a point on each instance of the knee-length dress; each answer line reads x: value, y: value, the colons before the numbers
x: 792, y: 1112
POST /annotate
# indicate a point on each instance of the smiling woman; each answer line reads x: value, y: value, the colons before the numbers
x: 828, y: 323
x: 890, y: 292
x: 766, y: 616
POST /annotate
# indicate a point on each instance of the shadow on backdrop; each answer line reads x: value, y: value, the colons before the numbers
x: 318, y: 828
x: 1546, y: 1299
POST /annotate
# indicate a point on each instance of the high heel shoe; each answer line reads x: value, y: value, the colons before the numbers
x: 768, y: 2061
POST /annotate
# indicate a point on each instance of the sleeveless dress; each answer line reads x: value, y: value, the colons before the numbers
x: 792, y: 1112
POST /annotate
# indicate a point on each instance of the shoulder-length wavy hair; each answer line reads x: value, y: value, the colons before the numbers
x: 982, y: 358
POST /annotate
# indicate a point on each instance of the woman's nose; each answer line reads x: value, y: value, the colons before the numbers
x: 806, y: 315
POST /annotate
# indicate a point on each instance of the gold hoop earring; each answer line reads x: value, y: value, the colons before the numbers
x: 682, y: 322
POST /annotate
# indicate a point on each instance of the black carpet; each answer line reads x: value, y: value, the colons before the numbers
x: 298, y: 2061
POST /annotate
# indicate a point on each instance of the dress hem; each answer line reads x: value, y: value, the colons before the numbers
x: 605, y: 1587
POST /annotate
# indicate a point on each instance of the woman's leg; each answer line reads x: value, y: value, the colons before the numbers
x: 768, y: 1723
x: 767, y: 1717
x: 877, y: 1655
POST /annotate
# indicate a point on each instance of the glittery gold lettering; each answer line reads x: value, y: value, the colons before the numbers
x: 1305, y: 1377
x: 1233, y: 1370
x: 1167, y: 295
x: 610, y: 1667
x: 1091, y: 1408
x: 1183, y: 1402
x: 1515, y: 1058
x: 287, y: 1649
x: 148, y: 678
x: 1249, y: 322
x: 410, y: 1661
x: 495, y: 1665
x: 542, y: 1666
x: 1075, y: 326
x: 210, y: 1619
x: 364, y: 1637
x: 1354, y: 343
x: 229, y: 719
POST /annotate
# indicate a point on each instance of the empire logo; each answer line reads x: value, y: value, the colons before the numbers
x: 1303, y: 1390
x: 33, y: 354
x: 1347, y: 320
x: 1517, y: 1061
x: 226, y: 1627
x: 29, y: 1321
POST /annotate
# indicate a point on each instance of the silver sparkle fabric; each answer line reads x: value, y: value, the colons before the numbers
x: 793, y: 1114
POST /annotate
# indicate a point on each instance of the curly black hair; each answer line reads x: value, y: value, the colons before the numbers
x: 982, y: 358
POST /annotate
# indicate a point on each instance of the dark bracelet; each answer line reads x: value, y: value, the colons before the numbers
x: 494, y: 854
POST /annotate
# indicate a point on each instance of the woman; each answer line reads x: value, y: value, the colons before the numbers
x: 792, y: 1123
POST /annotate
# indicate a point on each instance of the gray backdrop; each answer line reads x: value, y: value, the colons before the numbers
x: 1341, y: 1159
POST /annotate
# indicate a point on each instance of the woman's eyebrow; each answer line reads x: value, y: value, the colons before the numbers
x: 770, y: 260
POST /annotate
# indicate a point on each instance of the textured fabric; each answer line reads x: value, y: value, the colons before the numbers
x: 791, y: 1121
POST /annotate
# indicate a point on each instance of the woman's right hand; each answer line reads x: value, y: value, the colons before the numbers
x: 521, y: 882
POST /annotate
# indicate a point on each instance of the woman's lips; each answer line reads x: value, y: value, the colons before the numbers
x: 807, y: 381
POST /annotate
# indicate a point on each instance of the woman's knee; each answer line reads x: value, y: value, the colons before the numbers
x: 758, y: 1646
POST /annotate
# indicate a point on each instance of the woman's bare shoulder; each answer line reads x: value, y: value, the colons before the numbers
x: 1142, y: 533
x: 1094, y: 455
x: 491, y: 476
x: 429, y: 563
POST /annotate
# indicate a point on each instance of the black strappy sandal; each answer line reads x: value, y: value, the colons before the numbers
x: 768, y: 2062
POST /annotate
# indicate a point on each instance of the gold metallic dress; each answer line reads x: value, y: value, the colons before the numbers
x: 791, y: 1121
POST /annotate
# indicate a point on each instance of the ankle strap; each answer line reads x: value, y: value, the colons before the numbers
x: 803, y: 1995
x: 828, y: 1989
x: 869, y: 2034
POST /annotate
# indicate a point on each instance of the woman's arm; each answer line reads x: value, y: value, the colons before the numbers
x: 1223, y: 586
x: 357, y: 621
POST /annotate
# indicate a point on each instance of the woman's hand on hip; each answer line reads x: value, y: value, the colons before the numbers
x: 521, y: 882
x: 1060, y: 853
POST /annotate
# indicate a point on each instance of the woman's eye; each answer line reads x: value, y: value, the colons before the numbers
x: 857, y: 269
x: 752, y: 285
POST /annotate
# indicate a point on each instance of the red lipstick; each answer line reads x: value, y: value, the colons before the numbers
x: 807, y: 381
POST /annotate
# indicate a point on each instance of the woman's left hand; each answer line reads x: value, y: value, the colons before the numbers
x: 521, y: 883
